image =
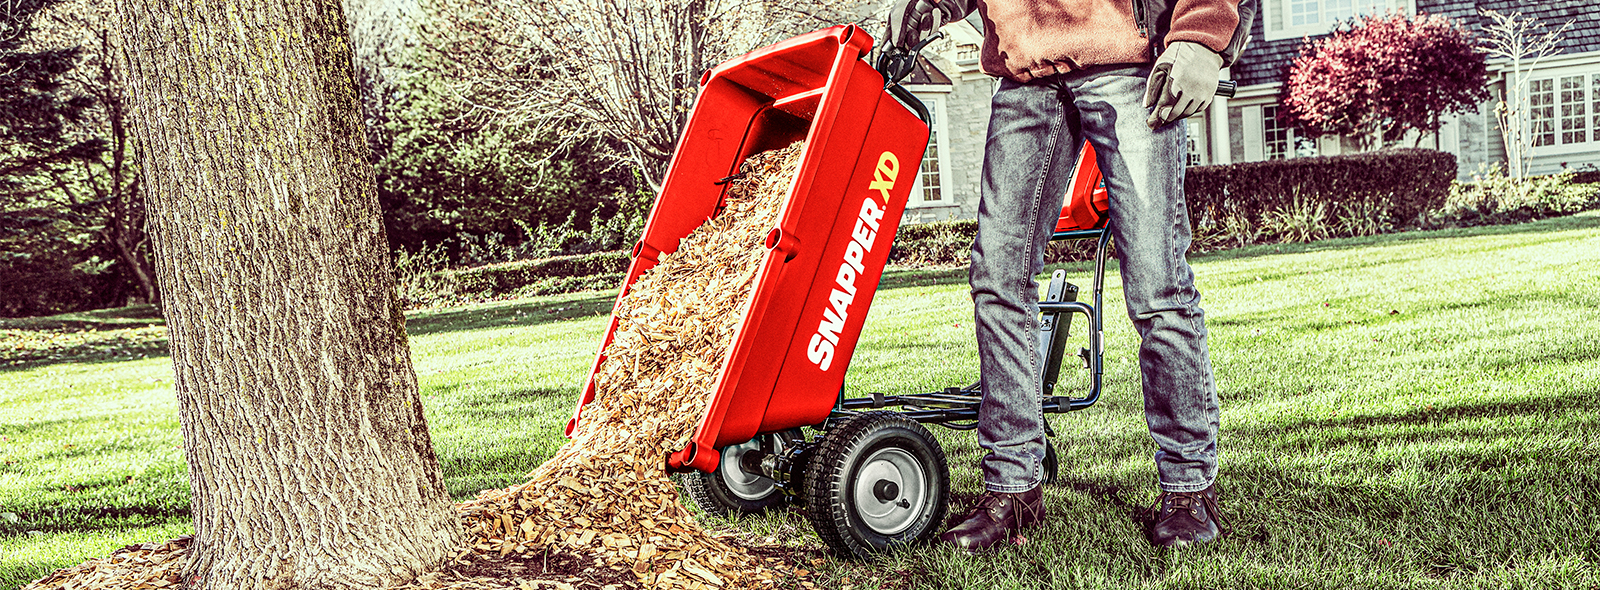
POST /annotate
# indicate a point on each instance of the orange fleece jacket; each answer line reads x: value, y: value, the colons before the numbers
x: 1027, y: 39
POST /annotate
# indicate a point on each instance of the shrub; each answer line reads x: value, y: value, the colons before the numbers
x: 1492, y: 197
x: 949, y: 243
x: 937, y: 243
x: 1586, y: 174
x: 1302, y: 221
x: 1401, y: 184
x: 445, y: 177
x: 1362, y: 218
x: 507, y: 277
x: 422, y: 283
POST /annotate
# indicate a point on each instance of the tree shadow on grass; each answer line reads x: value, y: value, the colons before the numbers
x: 35, y: 343
x: 1296, y: 317
x: 88, y: 519
x: 133, y: 316
x: 516, y: 313
x: 1578, y: 404
x: 509, y: 403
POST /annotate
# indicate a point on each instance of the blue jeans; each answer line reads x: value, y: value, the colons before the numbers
x: 1035, y: 133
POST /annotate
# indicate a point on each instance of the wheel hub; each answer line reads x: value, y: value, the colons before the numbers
x: 746, y: 485
x: 890, y: 491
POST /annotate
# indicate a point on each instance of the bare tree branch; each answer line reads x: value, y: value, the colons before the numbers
x: 624, y: 71
x: 1519, y: 39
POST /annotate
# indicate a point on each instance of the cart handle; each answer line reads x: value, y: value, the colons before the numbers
x: 895, y: 63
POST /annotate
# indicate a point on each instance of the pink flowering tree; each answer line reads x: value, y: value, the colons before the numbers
x: 1384, y: 74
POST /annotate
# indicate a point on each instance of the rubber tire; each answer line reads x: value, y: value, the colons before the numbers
x: 711, y: 494
x: 829, y: 503
x: 1051, y: 463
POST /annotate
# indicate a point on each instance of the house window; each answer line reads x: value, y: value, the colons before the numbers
x: 1340, y: 10
x: 1542, y: 112
x: 1574, y: 119
x: 1195, y: 126
x: 1304, y: 13
x: 1594, y: 93
x: 1275, y: 136
x: 1564, y: 111
x: 1267, y: 138
x: 933, y: 171
x: 930, y: 162
x: 966, y: 52
x: 1286, y: 19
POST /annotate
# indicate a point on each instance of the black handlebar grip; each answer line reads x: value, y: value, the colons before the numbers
x: 1226, y: 88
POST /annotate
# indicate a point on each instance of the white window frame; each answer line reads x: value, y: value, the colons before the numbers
x: 935, y: 101
x: 1197, y: 145
x: 1254, y: 123
x: 1278, y: 11
x: 1590, y: 103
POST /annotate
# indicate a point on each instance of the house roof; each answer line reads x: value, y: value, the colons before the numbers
x: 926, y: 73
x: 1265, y: 62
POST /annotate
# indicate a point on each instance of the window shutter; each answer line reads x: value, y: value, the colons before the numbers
x: 1450, y: 135
x: 1253, y: 140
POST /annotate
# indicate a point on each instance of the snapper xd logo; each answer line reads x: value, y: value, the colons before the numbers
x: 862, y: 236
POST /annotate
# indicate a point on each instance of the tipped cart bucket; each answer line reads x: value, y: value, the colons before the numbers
x: 871, y: 475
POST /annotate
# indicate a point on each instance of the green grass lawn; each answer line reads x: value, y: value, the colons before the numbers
x: 1417, y: 410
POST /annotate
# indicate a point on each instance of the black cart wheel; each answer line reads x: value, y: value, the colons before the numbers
x: 1050, y: 462
x: 731, y: 492
x: 878, y: 480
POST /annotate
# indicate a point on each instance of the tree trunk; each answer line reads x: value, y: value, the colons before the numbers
x: 309, y: 458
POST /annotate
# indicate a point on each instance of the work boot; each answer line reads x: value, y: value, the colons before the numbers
x: 996, y: 517
x: 1186, y: 518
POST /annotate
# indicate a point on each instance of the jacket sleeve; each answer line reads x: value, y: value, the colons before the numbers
x: 1207, y: 22
x: 962, y: 8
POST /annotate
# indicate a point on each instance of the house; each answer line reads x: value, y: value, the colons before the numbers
x: 1563, y: 93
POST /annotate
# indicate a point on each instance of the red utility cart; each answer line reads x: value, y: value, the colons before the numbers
x: 872, y: 478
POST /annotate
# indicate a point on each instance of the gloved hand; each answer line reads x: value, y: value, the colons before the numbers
x: 1183, y: 82
x: 911, y: 20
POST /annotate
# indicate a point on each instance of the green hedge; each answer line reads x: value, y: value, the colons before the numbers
x: 521, y: 278
x: 1585, y: 177
x: 1404, y: 184
x: 506, y: 277
x: 1288, y: 200
x: 940, y: 242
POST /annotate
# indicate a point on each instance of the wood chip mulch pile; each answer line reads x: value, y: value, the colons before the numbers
x: 135, y: 567
x: 607, y: 490
x: 603, y: 507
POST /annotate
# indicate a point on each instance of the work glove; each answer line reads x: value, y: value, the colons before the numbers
x: 1183, y: 82
x: 911, y: 20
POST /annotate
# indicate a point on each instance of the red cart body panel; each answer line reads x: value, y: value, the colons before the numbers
x: 863, y: 149
x: 1087, y: 202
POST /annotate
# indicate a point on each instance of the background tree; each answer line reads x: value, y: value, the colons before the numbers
x: 109, y: 180
x: 309, y: 458
x: 483, y: 192
x: 1524, y: 42
x: 49, y: 261
x: 1383, y: 76
x: 623, y: 72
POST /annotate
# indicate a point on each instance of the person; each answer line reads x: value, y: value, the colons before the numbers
x: 1119, y: 74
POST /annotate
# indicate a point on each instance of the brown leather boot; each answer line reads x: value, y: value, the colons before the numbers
x: 996, y: 517
x: 1186, y: 518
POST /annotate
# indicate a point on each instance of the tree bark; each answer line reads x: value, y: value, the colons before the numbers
x: 308, y: 454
